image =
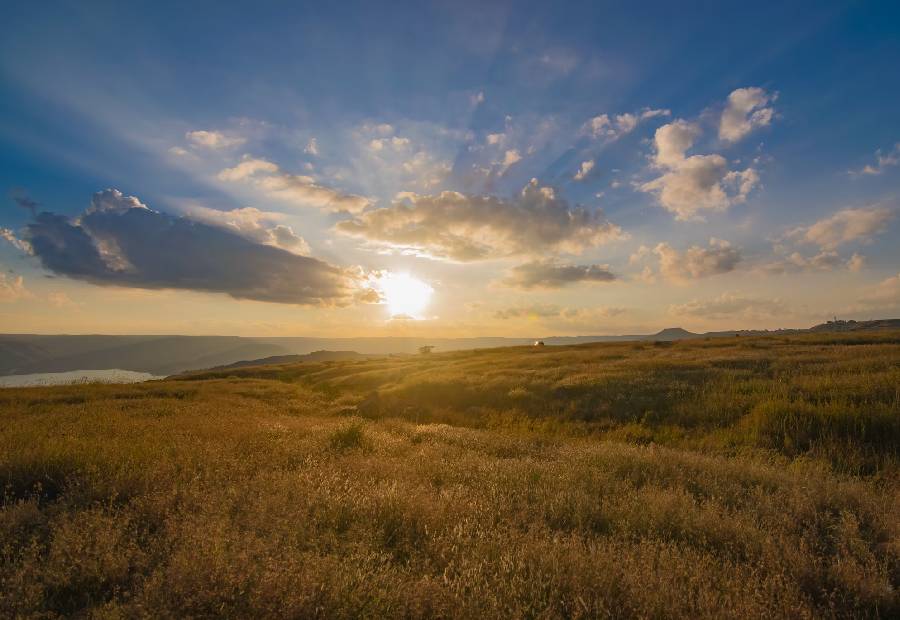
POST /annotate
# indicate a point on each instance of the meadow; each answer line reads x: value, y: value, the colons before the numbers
x: 709, y: 478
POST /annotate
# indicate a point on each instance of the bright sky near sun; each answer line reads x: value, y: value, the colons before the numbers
x: 447, y: 168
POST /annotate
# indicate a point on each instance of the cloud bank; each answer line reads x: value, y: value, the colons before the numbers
x: 119, y: 241
x: 461, y: 227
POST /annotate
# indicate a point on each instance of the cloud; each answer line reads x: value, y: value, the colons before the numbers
x: 533, y: 311
x: 119, y: 241
x: 885, y: 294
x: 380, y: 129
x: 213, y: 139
x: 510, y: 157
x: 253, y: 224
x: 584, y: 170
x: 694, y: 186
x: 19, y: 244
x: 696, y: 262
x: 61, y: 300
x: 603, y: 312
x: 247, y: 169
x: 24, y: 201
x: 845, y: 226
x: 730, y: 305
x: 477, y: 98
x: 312, y: 147
x: 469, y: 228
x: 882, y: 162
x: 673, y: 140
x: 744, y: 112
x: 825, y: 260
x: 415, y: 156
x: 856, y: 263
x: 295, y: 189
x: 602, y: 126
x: 303, y: 191
x: 696, y: 183
x: 551, y: 274
x: 426, y: 169
x: 396, y: 142
x: 565, y: 316
x: 560, y: 60
x: 12, y: 288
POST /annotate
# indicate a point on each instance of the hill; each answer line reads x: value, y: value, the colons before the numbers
x: 315, y: 356
x: 702, y: 478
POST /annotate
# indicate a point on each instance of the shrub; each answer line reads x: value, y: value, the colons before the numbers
x: 347, y: 438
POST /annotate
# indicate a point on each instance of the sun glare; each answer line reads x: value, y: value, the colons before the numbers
x: 405, y: 295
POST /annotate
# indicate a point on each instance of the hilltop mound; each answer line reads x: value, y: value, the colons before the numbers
x: 315, y: 356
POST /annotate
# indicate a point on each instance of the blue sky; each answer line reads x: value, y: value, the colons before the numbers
x: 540, y: 168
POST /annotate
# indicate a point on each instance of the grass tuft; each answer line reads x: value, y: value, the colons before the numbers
x: 348, y: 438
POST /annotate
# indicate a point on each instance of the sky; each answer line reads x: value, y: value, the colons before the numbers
x: 447, y: 168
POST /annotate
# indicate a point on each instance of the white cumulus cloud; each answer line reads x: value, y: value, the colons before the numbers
x: 692, y: 184
x: 747, y: 109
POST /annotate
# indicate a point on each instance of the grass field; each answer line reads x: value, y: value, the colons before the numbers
x: 731, y: 477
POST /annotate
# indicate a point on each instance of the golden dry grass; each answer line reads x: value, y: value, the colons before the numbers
x: 722, y: 478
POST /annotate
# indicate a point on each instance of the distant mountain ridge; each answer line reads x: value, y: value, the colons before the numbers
x: 166, y: 355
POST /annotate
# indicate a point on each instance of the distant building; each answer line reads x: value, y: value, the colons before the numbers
x: 538, y: 343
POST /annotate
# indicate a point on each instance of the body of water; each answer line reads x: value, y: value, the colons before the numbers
x: 114, y: 375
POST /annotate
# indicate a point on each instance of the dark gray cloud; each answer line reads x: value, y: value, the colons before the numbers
x: 551, y: 274
x: 118, y: 241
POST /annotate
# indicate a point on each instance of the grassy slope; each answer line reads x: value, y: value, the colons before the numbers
x: 721, y: 478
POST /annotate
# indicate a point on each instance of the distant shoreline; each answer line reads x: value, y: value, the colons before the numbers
x: 73, y: 377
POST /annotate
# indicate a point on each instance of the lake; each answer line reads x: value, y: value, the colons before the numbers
x: 114, y: 375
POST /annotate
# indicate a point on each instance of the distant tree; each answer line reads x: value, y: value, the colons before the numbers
x: 426, y: 349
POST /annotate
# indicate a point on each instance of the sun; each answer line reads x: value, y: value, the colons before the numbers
x: 405, y: 295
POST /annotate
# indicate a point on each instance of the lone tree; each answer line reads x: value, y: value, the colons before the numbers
x: 426, y: 349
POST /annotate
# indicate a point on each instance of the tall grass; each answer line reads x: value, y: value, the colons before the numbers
x: 704, y: 479
x: 835, y: 396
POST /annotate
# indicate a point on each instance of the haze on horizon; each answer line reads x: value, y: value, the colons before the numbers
x: 447, y: 169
